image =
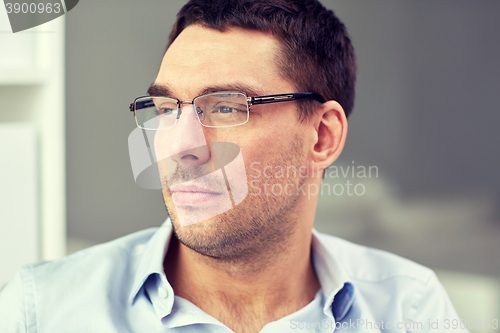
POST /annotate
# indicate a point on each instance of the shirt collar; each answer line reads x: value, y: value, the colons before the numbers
x: 332, y: 277
x: 151, y: 261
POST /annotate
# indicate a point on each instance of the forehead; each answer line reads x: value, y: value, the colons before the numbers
x: 201, y: 57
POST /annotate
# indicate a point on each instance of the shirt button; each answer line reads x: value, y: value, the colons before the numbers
x: 163, y: 292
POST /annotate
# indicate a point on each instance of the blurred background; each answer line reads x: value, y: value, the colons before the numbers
x: 425, y: 124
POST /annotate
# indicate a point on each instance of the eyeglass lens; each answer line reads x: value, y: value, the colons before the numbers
x: 222, y: 109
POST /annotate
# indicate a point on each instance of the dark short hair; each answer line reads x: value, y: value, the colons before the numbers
x: 316, y: 52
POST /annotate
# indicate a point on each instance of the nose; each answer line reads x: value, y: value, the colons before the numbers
x: 185, y: 143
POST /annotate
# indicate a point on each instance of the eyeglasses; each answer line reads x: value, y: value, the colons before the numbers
x: 219, y: 109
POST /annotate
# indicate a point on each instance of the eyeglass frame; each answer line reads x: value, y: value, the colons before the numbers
x: 265, y: 99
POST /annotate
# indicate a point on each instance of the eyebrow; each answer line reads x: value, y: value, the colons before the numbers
x: 164, y: 89
x: 160, y: 90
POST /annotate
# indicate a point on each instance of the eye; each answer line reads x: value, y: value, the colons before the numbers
x: 165, y: 111
x: 227, y: 109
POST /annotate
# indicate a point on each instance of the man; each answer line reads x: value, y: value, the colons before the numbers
x: 249, y: 106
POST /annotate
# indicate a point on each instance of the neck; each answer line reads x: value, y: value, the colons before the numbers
x: 257, y: 293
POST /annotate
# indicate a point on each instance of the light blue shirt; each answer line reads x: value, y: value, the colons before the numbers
x: 121, y: 287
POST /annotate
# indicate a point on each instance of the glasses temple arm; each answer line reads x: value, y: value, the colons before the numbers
x: 284, y: 98
x: 140, y: 105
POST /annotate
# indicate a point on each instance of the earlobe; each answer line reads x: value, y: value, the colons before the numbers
x: 331, y: 131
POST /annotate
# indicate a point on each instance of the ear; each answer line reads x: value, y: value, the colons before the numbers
x: 330, y: 124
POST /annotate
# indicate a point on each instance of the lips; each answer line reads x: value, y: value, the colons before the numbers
x: 183, y: 194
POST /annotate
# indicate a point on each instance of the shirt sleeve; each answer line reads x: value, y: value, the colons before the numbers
x: 434, y: 310
x: 12, y: 306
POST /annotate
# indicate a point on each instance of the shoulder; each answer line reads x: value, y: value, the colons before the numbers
x: 387, y: 285
x: 116, y: 254
x: 366, y: 264
x: 91, y: 279
x: 86, y: 270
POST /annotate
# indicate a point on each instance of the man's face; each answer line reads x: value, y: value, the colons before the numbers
x: 201, y: 61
